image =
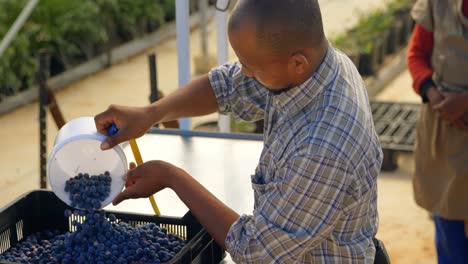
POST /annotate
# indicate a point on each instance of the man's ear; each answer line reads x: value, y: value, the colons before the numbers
x: 298, y: 62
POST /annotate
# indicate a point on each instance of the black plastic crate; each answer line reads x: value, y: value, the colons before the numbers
x: 41, y: 210
x: 395, y: 123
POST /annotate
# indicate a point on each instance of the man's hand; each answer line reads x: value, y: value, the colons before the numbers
x: 153, y: 176
x: 148, y: 179
x: 132, y: 122
x: 453, y: 107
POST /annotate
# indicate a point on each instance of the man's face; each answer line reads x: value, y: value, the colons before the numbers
x: 271, y: 71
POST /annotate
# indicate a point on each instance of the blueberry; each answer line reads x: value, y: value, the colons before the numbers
x: 67, y: 213
x: 97, y: 240
x: 112, y: 218
x: 96, y: 204
x: 139, y: 251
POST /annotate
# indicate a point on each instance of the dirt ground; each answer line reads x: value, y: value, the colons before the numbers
x: 406, y: 229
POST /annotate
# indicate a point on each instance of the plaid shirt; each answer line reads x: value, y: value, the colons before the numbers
x: 316, y: 183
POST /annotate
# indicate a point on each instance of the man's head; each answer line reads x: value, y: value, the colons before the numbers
x: 278, y: 42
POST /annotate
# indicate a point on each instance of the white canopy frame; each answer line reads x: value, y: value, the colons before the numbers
x: 183, y: 52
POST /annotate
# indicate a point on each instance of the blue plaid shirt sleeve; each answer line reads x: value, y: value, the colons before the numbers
x: 295, y: 213
x: 238, y: 94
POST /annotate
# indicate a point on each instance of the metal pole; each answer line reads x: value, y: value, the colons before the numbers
x: 224, y: 121
x: 155, y: 94
x: 42, y: 79
x: 183, y: 52
x: 203, y: 7
x: 153, y: 80
x: 55, y: 109
x: 10, y: 35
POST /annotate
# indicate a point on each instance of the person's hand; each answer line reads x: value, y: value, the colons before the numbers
x: 132, y: 122
x: 127, y: 182
x: 147, y: 179
x: 453, y: 108
x: 434, y: 96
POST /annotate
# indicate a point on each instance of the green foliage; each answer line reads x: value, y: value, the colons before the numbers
x: 68, y: 28
x: 241, y: 126
x: 346, y: 43
x: 16, y: 58
x: 169, y: 9
x: 72, y: 32
x: 370, y: 28
x: 131, y: 18
x: 398, y: 6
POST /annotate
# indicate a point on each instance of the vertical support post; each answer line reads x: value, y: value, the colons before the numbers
x: 153, y: 79
x: 55, y: 109
x: 183, y: 49
x: 155, y: 95
x: 42, y: 79
x: 203, y: 7
x: 224, y: 121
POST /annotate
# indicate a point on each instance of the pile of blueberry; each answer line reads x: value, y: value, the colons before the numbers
x: 88, y: 192
x: 99, y: 238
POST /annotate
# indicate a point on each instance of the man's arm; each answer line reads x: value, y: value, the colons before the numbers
x: 153, y: 176
x: 224, y: 89
x: 193, y: 99
x: 293, y: 215
x: 196, y: 98
x: 214, y: 215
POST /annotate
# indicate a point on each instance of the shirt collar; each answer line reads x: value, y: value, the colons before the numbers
x: 295, y: 99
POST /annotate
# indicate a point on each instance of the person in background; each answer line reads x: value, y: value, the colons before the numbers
x: 438, y: 62
x: 315, y: 186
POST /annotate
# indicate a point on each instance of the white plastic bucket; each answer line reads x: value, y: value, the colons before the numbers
x: 77, y: 150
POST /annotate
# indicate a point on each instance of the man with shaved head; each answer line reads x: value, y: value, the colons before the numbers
x: 315, y: 185
x: 279, y: 43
